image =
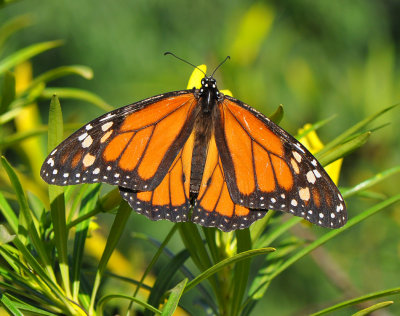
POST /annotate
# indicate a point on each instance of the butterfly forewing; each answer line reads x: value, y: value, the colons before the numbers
x: 266, y: 168
x: 133, y: 146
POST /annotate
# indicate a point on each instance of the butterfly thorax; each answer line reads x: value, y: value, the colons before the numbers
x: 209, y: 94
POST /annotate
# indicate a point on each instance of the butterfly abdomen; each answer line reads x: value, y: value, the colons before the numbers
x: 202, y: 133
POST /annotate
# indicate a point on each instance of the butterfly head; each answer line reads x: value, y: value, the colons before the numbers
x: 209, y: 93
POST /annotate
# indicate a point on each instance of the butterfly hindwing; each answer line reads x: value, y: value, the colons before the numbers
x: 214, y: 206
x: 266, y: 168
x: 171, y: 198
x: 132, y: 146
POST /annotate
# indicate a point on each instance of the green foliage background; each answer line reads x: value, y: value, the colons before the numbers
x: 317, y: 58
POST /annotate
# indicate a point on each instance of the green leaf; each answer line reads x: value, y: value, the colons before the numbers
x: 12, y: 26
x: 10, y: 306
x: 241, y: 271
x: 257, y: 229
x: 55, y: 124
x: 277, y: 116
x: 59, y: 72
x: 164, y: 278
x: 358, y: 300
x: 354, y: 129
x: 33, y: 95
x: 315, y: 126
x: 56, y: 195
x: 375, y: 307
x: 115, y: 233
x: 89, y: 201
x: 220, y: 265
x: 7, y: 91
x: 105, y: 299
x: 26, y: 223
x: 343, y: 149
x: 5, y: 236
x: 173, y: 300
x: 73, y: 93
x: 8, y: 213
x: 193, y: 242
x: 153, y: 261
x: 40, y: 275
x: 370, y: 182
x: 23, y: 306
x: 25, y: 54
x: 9, y: 115
x: 333, y: 233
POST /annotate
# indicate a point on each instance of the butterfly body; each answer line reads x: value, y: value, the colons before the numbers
x: 198, y: 155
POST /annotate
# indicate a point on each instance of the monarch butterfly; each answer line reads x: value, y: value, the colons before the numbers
x: 198, y: 155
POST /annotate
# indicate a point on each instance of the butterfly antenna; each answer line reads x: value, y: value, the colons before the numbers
x: 185, y: 61
x: 227, y: 57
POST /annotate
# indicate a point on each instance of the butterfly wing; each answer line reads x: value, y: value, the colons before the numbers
x: 133, y: 146
x: 214, y: 206
x: 266, y: 168
x: 171, y: 198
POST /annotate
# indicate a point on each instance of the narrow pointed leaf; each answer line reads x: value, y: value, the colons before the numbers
x: 59, y: 72
x: 173, y: 300
x: 333, y: 233
x: 375, y: 307
x: 7, y: 91
x: 277, y: 116
x: 371, y: 181
x: 364, y: 298
x: 115, y: 234
x: 8, y: 213
x: 56, y: 195
x: 164, y: 279
x: 25, y: 54
x: 241, y: 271
x: 315, y: 126
x: 73, y: 93
x: 354, y: 129
x: 89, y: 201
x: 220, y: 265
x: 10, y: 306
x: 343, y: 149
x: 106, y: 299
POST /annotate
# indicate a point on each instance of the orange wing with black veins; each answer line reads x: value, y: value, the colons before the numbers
x: 266, y: 168
x: 214, y: 206
x: 171, y: 198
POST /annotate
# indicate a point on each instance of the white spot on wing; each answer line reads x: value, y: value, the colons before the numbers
x: 108, y: 116
x: 317, y: 174
x: 83, y: 136
x: 50, y: 162
x: 314, y: 162
x: 296, y: 156
x: 87, y: 142
x: 310, y: 177
x: 106, y: 126
x: 304, y: 193
x: 88, y: 160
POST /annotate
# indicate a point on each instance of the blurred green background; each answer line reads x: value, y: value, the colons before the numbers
x: 317, y: 58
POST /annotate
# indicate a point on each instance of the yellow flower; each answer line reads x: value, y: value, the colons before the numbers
x: 197, y: 75
x: 312, y: 142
